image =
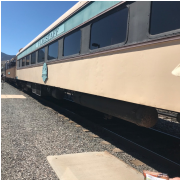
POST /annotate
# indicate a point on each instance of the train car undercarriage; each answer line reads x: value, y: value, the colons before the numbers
x: 138, y: 114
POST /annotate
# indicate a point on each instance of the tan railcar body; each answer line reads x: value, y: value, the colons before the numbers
x: 11, y: 73
x: 140, y: 74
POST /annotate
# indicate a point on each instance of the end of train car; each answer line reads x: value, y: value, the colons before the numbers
x: 10, y: 70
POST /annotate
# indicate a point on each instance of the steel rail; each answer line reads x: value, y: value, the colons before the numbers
x: 167, y: 114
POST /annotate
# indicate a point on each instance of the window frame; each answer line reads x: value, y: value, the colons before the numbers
x: 24, y: 58
x: 20, y: 63
x: 103, y: 16
x: 48, y: 60
x: 35, y: 52
x: 37, y: 59
x: 164, y: 34
x: 29, y: 60
x: 68, y: 34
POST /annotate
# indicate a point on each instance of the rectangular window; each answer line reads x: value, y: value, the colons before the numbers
x: 20, y: 63
x: 72, y: 43
x: 109, y: 30
x: 53, y: 51
x: 27, y: 60
x: 23, y: 62
x: 33, y: 58
x: 165, y: 16
x: 41, y: 55
x: 13, y: 63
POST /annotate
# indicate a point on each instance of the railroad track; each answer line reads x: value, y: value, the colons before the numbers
x: 168, y: 114
x: 159, y: 150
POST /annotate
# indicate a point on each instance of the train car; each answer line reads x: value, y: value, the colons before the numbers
x: 120, y: 58
x: 10, y: 70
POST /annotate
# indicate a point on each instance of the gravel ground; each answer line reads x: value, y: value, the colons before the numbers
x: 31, y: 131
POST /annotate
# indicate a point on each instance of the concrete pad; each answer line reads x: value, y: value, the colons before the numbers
x: 12, y: 96
x: 92, y: 166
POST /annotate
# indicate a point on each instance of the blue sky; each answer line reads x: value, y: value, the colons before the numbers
x: 22, y: 21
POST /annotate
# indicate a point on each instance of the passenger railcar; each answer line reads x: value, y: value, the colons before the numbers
x: 10, y: 70
x: 120, y: 58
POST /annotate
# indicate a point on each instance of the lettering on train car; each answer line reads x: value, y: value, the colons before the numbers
x: 50, y: 36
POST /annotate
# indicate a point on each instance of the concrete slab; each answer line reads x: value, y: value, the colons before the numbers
x: 92, y: 166
x: 13, y: 96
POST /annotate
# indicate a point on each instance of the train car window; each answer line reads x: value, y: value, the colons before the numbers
x: 23, y: 62
x: 53, y: 51
x: 41, y: 55
x: 20, y: 63
x: 27, y: 60
x: 72, y: 43
x: 109, y: 30
x: 165, y: 16
x: 33, y: 58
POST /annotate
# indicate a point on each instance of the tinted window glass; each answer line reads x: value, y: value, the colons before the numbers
x: 53, y: 51
x: 27, y: 60
x: 41, y: 55
x: 109, y: 30
x: 165, y: 16
x: 33, y: 58
x: 12, y: 63
x: 72, y: 43
x: 23, y: 62
x: 20, y: 63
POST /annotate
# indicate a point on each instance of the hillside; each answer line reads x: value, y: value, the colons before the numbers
x: 5, y: 57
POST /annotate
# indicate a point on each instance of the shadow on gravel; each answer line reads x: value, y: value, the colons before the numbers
x: 121, y: 144
x: 169, y: 127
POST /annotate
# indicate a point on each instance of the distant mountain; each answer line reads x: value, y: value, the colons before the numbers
x: 5, y: 57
